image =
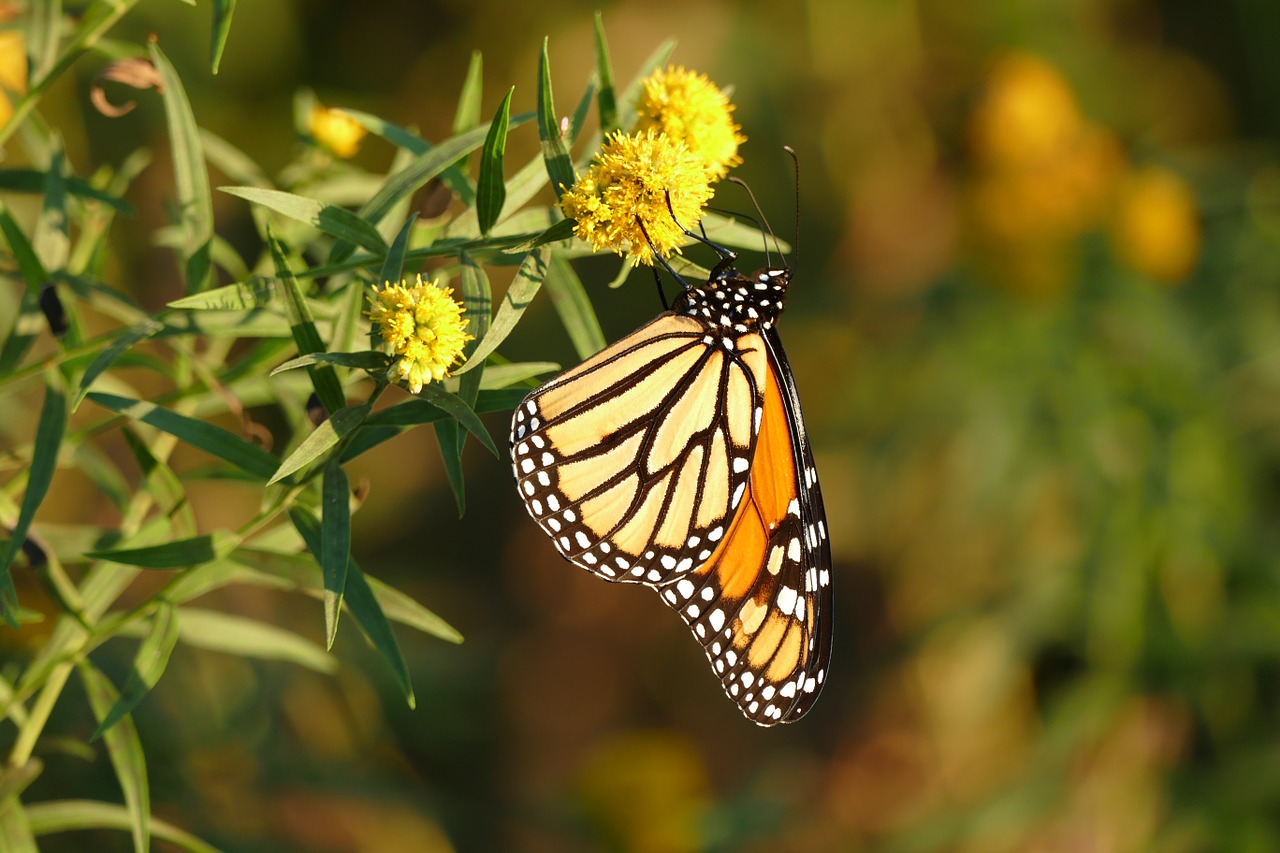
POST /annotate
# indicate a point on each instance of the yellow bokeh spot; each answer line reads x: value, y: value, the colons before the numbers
x: 1028, y: 112
x: 685, y: 105
x: 628, y: 184
x: 335, y: 131
x: 1156, y: 229
x: 422, y: 326
x: 13, y: 71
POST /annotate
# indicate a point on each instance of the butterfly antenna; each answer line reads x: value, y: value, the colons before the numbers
x: 767, y: 229
x: 795, y: 158
x: 724, y: 253
x: 662, y: 261
x: 736, y: 214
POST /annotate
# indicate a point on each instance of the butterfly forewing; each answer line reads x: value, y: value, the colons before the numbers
x: 760, y: 605
x: 633, y: 461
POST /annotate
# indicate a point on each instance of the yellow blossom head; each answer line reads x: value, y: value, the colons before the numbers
x: 13, y: 68
x: 1156, y: 229
x: 335, y: 131
x: 422, y: 326
x: 1028, y: 113
x: 630, y: 179
x: 685, y: 105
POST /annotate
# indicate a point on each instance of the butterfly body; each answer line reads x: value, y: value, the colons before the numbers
x: 677, y: 458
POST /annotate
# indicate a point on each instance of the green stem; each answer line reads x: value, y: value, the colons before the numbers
x: 39, y: 715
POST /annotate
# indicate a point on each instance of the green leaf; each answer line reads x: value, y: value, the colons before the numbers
x: 606, y: 101
x: 570, y: 300
x: 403, y: 609
x: 257, y: 292
x: 138, y: 332
x: 363, y: 605
x: 222, y: 12
x: 237, y: 635
x: 504, y: 375
x: 44, y: 29
x: 449, y: 439
x: 331, y: 219
x: 148, y: 665
x: 44, y: 461
x: 71, y: 815
x: 409, y: 179
x: 322, y: 439
x: 491, y: 188
x: 464, y: 414
x: 554, y: 153
x: 33, y: 181
x: 335, y: 544
x: 323, y: 377
x: 209, y: 438
x: 51, y: 239
x: 161, y: 483
x: 555, y: 233
x: 28, y: 321
x: 468, y: 112
x: 393, y: 266
x: 195, y: 199
x: 125, y: 751
x: 179, y: 554
x: 521, y: 292
x: 373, y: 362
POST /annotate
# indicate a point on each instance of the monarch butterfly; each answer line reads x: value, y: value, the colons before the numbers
x: 677, y: 458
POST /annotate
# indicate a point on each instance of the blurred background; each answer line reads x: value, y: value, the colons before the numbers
x: 1036, y: 330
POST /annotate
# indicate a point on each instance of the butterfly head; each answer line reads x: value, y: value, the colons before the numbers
x: 736, y: 304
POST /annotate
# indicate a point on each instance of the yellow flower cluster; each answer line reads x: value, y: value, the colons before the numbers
x: 685, y: 105
x: 628, y: 184
x: 685, y: 139
x: 422, y: 326
x: 335, y: 131
x: 13, y: 70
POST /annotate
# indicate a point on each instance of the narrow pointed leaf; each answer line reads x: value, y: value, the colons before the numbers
x: 363, y: 605
x: 148, y: 665
x: 491, y: 187
x: 409, y: 179
x: 103, y: 361
x: 335, y: 543
x: 222, y: 12
x: 521, y: 292
x: 606, y: 99
x: 322, y: 439
x: 331, y: 219
x: 570, y: 300
x: 464, y: 414
x: 179, y: 554
x: 554, y: 153
x: 212, y: 439
x: 373, y: 362
x: 393, y: 266
x: 164, y: 486
x: 125, y: 751
x: 44, y: 461
x: 191, y: 175
x: 28, y: 321
x: 323, y: 377
x: 25, y: 180
x: 467, y: 115
x: 258, y: 292
x: 237, y: 635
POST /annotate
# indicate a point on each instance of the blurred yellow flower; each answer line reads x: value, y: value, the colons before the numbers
x: 1156, y: 229
x: 422, y: 326
x: 1045, y: 174
x: 335, y: 131
x: 628, y: 184
x: 13, y: 71
x: 1028, y: 112
x: 685, y: 105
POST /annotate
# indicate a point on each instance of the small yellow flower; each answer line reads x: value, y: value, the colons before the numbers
x: 630, y: 179
x: 335, y: 131
x: 1156, y: 230
x: 13, y: 70
x: 685, y: 105
x: 422, y: 326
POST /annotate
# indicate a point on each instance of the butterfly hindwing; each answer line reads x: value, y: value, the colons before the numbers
x: 761, y: 604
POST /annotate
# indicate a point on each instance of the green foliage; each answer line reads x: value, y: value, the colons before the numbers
x: 226, y: 352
